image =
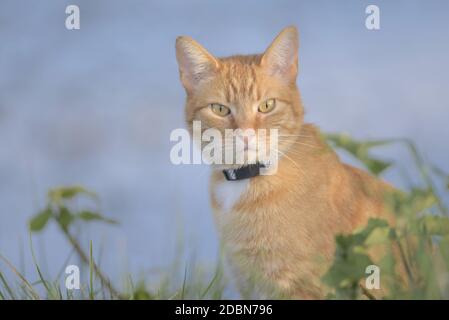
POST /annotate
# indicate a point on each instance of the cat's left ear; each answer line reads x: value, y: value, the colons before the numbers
x: 281, y: 57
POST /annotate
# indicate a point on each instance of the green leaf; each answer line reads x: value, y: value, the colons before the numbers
x: 412, y: 203
x: 379, y: 236
x: 435, y: 225
x: 362, y: 235
x: 141, y: 293
x: 39, y: 221
x: 360, y: 150
x: 422, y: 199
x: 65, y: 217
x: 376, y: 166
x: 351, y: 258
x: 65, y: 193
x: 92, y: 216
x: 348, y: 270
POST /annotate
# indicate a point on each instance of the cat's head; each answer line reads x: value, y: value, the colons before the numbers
x: 244, y: 92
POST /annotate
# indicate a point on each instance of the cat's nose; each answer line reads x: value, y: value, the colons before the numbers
x: 248, y: 137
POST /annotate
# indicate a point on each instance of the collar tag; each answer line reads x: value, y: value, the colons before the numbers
x: 245, y: 172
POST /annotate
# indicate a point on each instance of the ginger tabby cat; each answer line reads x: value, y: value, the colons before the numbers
x: 278, y: 230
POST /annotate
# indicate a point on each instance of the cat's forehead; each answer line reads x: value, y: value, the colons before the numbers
x: 240, y: 78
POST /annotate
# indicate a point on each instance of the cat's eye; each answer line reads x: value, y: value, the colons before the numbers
x: 220, y: 109
x: 267, y: 106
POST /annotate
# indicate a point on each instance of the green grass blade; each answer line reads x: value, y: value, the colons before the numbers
x: 7, y: 287
x: 41, y: 277
x: 184, y: 284
x: 21, y: 277
x: 91, y: 273
x: 211, y: 283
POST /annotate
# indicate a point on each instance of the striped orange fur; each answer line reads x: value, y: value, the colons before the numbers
x: 278, y: 230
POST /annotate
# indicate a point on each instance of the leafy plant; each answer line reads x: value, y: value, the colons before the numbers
x: 361, y: 151
x: 58, y: 209
x: 419, y: 240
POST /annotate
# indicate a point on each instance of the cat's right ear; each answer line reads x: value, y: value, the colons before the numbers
x: 195, y: 63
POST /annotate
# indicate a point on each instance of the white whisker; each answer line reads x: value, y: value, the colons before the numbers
x: 300, y: 142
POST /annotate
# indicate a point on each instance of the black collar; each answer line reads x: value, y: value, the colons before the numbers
x: 245, y: 172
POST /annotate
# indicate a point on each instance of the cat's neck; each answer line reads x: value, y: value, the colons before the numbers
x: 308, y: 157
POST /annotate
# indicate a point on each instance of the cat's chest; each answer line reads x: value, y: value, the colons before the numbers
x: 229, y: 193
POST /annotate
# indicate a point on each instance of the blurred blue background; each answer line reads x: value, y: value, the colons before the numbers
x: 95, y: 107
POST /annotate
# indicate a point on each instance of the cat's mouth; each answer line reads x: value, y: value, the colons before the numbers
x: 246, y: 156
x: 236, y: 156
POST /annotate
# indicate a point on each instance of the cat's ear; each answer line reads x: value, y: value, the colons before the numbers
x: 195, y: 63
x: 281, y: 57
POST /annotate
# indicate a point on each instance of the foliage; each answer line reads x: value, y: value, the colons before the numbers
x: 414, y: 263
x: 58, y: 209
x: 414, y: 255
